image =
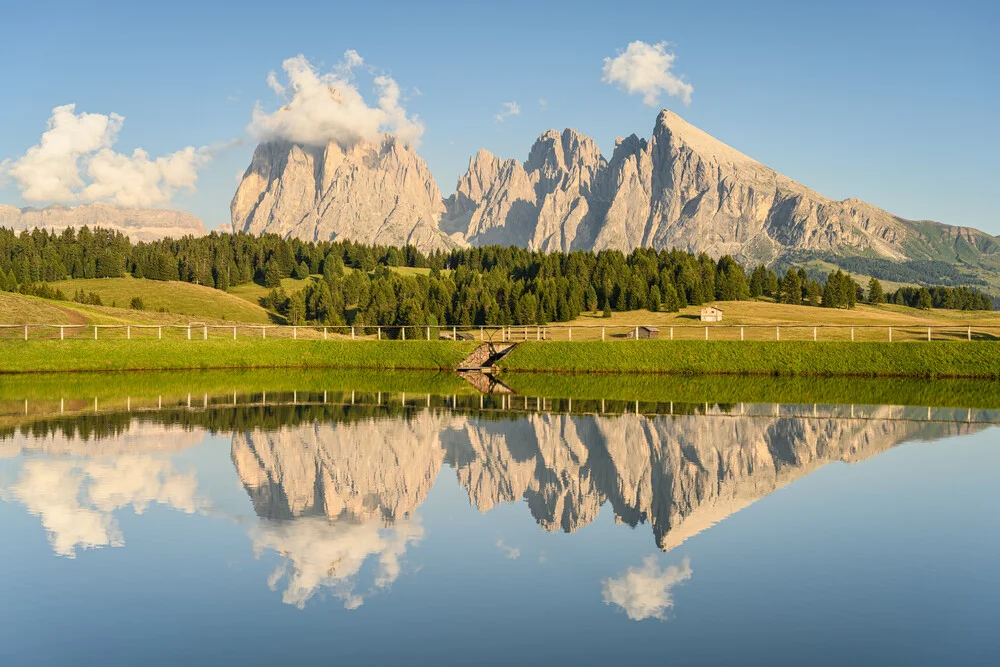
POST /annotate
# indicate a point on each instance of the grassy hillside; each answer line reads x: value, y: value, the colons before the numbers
x: 189, y: 300
x: 763, y: 316
x: 253, y: 292
x: 18, y: 309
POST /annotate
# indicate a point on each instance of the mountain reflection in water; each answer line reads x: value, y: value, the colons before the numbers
x: 331, y: 496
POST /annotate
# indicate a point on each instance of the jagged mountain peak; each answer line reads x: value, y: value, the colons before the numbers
x: 380, y: 193
x: 679, y: 188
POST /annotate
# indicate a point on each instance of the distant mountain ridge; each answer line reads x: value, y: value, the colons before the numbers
x: 681, y: 188
x: 139, y: 224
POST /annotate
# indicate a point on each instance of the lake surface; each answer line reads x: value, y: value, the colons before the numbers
x: 415, y: 520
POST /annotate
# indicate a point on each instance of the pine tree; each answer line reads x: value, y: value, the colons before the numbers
x: 272, y: 274
x: 791, y: 288
x: 813, y: 293
x: 590, y: 300
x: 653, y: 300
x: 924, y: 301
x: 875, y: 294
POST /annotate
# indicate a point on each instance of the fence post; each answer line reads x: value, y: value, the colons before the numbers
x: 61, y: 335
x: 25, y: 332
x: 741, y: 333
x: 706, y: 333
x: 428, y: 333
x: 95, y: 332
x: 454, y: 333
x: 403, y: 330
x: 263, y: 333
x: 128, y: 333
x: 928, y: 334
x: 234, y: 333
x: 777, y: 333
x: 602, y: 333
x: 852, y: 334
x: 189, y: 332
x: 205, y: 332
x: 970, y: 333
x: 480, y: 334
x: 569, y: 331
x: 159, y: 333
x: 890, y: 334
x: 295, y: 333
x: 814, y: 334
x: 671, y: 333
x: 379, y: 329
x: 352, y: 332
x: 324, y: 338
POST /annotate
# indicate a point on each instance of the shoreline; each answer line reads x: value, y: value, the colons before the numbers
x: 913, y: 360
x: 654, y: 358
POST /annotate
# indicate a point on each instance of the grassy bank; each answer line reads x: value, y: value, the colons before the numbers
x: 118, y: 355
x: 657, y: 389
x: 787, y: 358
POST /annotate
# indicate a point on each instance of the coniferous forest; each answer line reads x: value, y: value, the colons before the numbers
x: 362, y: 285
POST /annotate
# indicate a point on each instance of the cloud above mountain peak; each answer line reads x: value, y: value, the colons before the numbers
x: 322, y: 107
x: 646, y: 69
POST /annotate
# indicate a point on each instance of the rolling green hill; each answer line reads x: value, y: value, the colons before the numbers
x: 187, y: 299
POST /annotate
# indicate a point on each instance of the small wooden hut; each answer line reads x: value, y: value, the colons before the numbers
x: 711, y: 314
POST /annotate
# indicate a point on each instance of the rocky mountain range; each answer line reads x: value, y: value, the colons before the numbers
x: 139, y: 224
x: 681, y: 188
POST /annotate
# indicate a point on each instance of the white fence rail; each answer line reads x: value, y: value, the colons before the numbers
x: 563, y: 332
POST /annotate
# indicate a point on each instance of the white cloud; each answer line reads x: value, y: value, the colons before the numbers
x: 513, y: 553
x: 319, y: 108
x: 74, y: 162
x: 509, y: 109
x: 543, y: 104
x: 644, y: 592
x: 646, y: 69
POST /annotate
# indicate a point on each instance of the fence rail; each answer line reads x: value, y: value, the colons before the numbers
x: 563, y: 332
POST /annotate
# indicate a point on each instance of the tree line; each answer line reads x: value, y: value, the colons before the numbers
x: 358, y: 284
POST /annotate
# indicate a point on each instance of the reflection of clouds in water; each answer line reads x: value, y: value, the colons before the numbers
x: 512, y: 553
x: 75, y: 499
x: 319, y: 553
x: 644, y: 592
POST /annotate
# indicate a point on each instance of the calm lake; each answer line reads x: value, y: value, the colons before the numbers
x: 293, y: 518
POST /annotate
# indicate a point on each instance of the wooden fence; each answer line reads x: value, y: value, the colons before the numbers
x: 563, y: 332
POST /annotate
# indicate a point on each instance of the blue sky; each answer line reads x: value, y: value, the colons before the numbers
x: 892, y: 102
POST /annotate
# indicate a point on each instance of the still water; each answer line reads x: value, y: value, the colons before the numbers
x: 368, y: 527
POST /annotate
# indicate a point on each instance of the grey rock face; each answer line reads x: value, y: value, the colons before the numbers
x: 139, y: 224
x: 681, y: 188
x: 382, y: 194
